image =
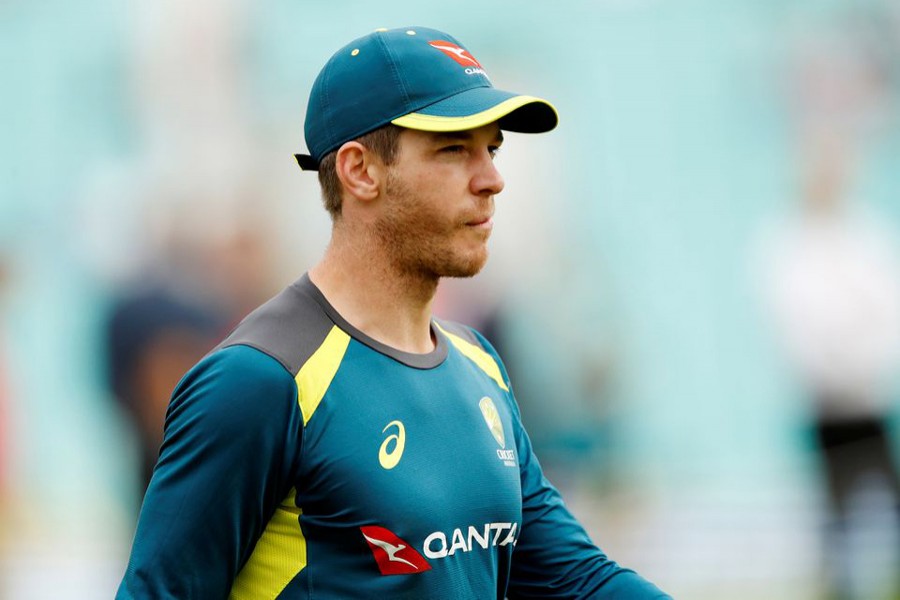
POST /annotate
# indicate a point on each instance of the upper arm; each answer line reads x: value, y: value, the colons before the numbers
x: 232, y: 439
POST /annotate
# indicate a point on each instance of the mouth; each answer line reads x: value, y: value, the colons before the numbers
x: 485, y: 222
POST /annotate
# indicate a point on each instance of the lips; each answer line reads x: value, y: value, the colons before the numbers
x: 481, y: 221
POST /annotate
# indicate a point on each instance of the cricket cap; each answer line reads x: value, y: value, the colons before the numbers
x: 414, y: 77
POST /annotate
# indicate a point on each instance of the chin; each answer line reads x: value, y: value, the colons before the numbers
x: 463, y: 267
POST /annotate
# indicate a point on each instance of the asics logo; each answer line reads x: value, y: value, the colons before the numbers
x: 392, y: 447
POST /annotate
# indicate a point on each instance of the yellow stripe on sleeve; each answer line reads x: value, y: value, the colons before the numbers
x: 481, y: 358
x: 279, y: 555
x: 315, y: 376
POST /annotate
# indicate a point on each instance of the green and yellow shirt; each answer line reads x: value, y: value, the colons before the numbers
x: 303, y: 459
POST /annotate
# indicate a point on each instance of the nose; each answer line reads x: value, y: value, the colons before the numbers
x: 487, y: 180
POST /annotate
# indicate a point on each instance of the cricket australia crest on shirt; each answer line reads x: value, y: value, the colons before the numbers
x: 495, y: 425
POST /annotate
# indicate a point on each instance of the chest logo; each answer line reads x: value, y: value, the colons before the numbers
x: 393, y: 555
x: 392, y: 447
x: 492, y: 418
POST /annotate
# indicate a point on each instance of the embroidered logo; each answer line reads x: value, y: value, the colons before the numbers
x: 492, y: 418
x: 393, y: 555
x: 392, y: 447
x: 460, y: 55
x: 495, y: 425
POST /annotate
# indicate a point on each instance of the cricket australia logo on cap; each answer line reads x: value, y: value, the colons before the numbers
x: 495, y: 424
x: 460, y: 55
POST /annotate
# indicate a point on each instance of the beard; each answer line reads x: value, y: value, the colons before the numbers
x: 422, y: 243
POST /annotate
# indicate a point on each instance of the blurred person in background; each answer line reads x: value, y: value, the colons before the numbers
x: 153, y: 336
x: 832, y: 281
x: 342, y: 434
x: 835, y: 294
x: 195, y: 285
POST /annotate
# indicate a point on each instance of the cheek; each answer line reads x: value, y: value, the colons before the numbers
x: 436, y: 206
x: 438, y: 178
x: 431, y: 198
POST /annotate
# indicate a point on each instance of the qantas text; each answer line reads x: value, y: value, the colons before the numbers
x: 440, y: 544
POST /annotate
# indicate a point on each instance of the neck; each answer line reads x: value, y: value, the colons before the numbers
x: 358, y: 278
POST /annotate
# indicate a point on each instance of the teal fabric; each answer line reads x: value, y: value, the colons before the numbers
x: 233, y: 432
x: 235, y: 445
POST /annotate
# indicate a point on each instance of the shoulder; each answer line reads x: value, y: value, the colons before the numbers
x: 240, y: 367
x: 457, y: 332
x: 464, y: 333
x: 233, y: 384
x: 289, y: 328
x: 474, y: 346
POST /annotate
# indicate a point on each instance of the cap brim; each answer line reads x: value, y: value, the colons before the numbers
x: 480, y: 106
x: 470, y: 109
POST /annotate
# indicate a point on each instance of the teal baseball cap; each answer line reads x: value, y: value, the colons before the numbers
x: 414, y: 77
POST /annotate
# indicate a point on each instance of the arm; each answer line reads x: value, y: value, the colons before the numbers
x: 232, y: 438
x: 554, y: 556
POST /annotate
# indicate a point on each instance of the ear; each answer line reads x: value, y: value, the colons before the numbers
x: 358, y: 170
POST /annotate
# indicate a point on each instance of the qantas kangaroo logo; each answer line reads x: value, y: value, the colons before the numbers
x: 393, y: 555
x: 460, y: 55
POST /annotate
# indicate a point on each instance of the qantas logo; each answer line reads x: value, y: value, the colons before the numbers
x: 393, y: 555
x: 460, y: 55
x: 440, y: 545
x: 391, y: 551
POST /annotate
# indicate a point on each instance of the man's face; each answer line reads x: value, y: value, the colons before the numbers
x: 439, y: 200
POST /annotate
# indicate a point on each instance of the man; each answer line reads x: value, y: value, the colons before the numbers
x: 342, y: 442
x: 830, y: 272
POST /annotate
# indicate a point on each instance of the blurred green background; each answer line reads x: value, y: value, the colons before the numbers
x: 154, y: 141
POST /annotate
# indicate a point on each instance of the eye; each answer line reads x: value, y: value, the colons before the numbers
x: 494, y: 150
x: 454, y: 149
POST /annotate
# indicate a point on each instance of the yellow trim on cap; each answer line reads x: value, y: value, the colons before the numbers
x: 316, y: 374
x: 478, y: 356
x: 279, y: 555
x: 437, y: 123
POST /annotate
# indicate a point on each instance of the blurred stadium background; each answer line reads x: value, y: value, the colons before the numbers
x: 147, y: 167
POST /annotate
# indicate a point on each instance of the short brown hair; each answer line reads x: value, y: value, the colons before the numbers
x: 382, y: 141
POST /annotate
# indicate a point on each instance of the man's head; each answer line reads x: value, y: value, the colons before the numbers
x: 434, y: 210
x: 414, y: 78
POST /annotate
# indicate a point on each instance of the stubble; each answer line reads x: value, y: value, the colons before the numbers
x: 419, y: 243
